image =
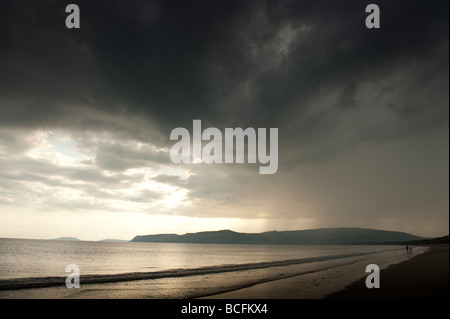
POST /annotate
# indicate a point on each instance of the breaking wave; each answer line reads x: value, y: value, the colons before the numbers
x: 43, y: 282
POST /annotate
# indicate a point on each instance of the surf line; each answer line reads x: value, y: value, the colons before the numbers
x: 234, y: 153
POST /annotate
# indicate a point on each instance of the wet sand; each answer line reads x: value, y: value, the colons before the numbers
x: 422, y: 276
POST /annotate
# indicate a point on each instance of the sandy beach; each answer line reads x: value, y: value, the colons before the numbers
x: 422, y: 276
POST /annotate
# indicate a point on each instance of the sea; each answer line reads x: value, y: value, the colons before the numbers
x: 36, y: 269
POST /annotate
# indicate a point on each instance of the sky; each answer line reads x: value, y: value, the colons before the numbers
x: 86, y: 116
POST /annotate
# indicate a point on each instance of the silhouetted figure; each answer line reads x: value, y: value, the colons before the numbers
x: 407, y: 249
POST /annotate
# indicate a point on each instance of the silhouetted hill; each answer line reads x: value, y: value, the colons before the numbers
x: 68, y: 238
x: 433, y: 241
x: 323, y: 236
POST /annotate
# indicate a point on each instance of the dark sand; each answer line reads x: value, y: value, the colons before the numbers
x: 422, y: 276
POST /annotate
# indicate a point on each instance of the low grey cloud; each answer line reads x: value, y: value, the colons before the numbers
x: 170, y: 179
x: 116, y: 156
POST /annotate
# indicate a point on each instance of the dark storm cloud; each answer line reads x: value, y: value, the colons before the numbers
x: 174, y: 61
x: 347, y: 96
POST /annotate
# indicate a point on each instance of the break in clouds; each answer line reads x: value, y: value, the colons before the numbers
x: 362, y: 114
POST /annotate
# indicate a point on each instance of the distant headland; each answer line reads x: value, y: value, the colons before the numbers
x: 322, y: 236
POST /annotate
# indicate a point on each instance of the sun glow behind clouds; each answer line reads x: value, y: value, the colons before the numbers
x: 68, y: 174
x: 55, y: 147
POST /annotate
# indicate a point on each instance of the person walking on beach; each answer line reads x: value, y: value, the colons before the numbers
x: 407, y: 249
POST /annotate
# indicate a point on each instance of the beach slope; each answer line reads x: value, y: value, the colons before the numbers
x: 422, y: 276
